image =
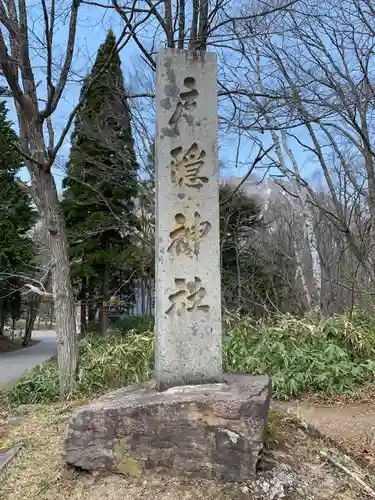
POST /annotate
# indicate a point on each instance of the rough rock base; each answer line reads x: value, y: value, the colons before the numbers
x: 213, y: 430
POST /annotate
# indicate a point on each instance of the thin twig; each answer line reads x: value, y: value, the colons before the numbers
x: 258, y: 158
x: 350, y: 473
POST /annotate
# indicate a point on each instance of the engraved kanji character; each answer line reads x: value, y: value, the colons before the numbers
x: 185, y: 239
x: 187, y: 100
x: 186, y: 167
x: 188, y: 297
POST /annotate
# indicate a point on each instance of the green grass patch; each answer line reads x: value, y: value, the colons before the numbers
x: 300, y: 355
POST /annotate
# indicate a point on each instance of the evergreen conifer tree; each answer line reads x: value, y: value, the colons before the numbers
x: 101, y: 184
x: 16, y: 219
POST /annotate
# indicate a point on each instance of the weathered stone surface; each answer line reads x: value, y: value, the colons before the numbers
x: 211, y: 430
x: 188, y: 300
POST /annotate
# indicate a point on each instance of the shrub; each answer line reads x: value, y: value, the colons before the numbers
x: 303, y: 355
x: 105, y: 363
x: 114, y: 361
x: 41, y: 385
x: 299, y: 354
x: 138, y: 324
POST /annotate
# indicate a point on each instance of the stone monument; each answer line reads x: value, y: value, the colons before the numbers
x: 188, y: 298
x: 192, y: 418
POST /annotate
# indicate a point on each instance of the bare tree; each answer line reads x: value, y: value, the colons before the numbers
x: 39, y: 153
x: 38, y: 284
x: 320, y: 73
x: 192, y: 24
x: 39, y: 146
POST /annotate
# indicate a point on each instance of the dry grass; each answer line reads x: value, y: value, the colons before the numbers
x: 39, y: 473
x: 348, y: 423
x: 38, y: 468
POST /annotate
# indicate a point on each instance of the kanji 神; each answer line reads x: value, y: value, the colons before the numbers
x: 185, y: 238
x: 186, y: 166
x: 188, y: 297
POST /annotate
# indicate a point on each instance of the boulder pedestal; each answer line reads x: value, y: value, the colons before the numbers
x: 213, y: 430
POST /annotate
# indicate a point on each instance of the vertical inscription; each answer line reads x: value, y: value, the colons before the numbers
x: 186, y: 166
x: 188, y: 311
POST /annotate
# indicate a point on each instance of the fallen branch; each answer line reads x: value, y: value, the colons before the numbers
x: 9, y: 455
x: 350, y: 473
x: 38, y: 290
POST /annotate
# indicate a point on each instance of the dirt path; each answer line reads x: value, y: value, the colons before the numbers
x: 350, y: 424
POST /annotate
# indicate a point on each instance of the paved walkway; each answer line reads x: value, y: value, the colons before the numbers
x: 14, y: 364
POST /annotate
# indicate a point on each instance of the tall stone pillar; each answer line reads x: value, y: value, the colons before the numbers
x: 188, y: 297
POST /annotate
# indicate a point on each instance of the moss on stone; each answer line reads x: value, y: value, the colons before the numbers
x: 126, y: 465
x: 129, y: 467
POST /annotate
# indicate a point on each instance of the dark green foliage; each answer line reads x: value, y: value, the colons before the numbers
x: 239, y: 216
x: 102, y: 181
x: 252, y: 276
x: 140, y: 324
x: 144, y: 257
x: 16, y: 219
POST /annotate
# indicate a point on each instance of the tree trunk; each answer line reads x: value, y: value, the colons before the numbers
x: 83, y: 299
x: 90, y: 311
x: 103, y: 314
x: 300, y: 272
x: 150, y: 294
x: 238, y: 270
x: 83, y: 316
x: 2, y: 319
x: 50, y: 315
x: 143, y: 292
x: 32, y: 311
x: 13, y: 326
x: 62, y: 290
